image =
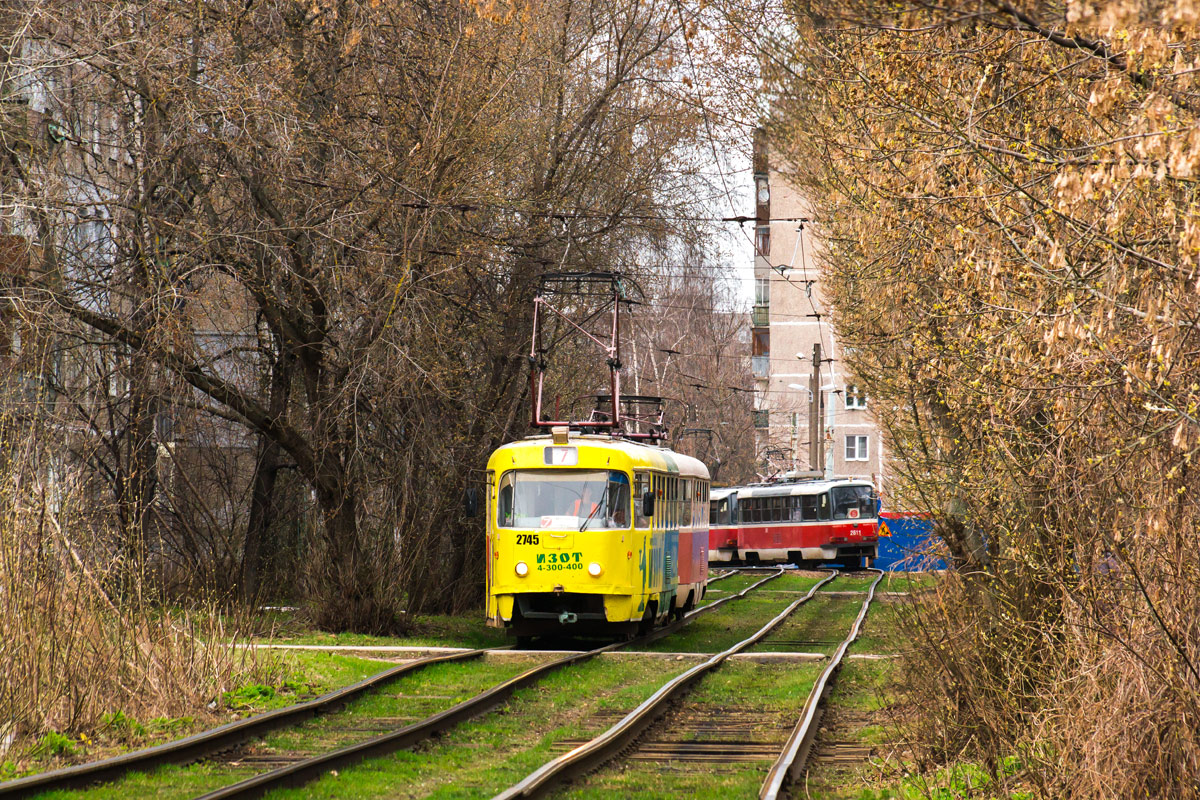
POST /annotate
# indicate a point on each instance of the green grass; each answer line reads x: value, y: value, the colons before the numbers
x: 308, y: 674
x: 825, y: 618
x: 881, y: 632
x: 407, y: 699
x: 734, y: 621
x: 862, y: 685
x: 464, y: 630
x: 412, y: 698
x: 483, y: 757
x: 908, y: 581
x: 728, y: 586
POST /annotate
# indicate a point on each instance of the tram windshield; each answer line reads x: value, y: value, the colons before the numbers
x: 563, y: 499
x: 853, y: 502
x: 719, y: 514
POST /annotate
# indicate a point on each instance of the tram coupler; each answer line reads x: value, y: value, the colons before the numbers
x: 567, y: 618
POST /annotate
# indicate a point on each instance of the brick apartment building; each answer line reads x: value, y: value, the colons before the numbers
x: 789, y: 317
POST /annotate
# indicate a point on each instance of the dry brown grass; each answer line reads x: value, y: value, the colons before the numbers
x: 1089, y: 683
x: 80, y: 637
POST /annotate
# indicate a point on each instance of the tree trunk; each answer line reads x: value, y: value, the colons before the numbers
x: 258, y: 549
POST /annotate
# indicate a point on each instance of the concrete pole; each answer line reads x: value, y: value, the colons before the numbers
x: 816, y: 440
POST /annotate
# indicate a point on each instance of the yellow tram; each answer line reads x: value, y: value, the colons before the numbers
x: 593, y: 535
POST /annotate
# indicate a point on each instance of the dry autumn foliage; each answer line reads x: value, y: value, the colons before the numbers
x: 1009, y: 196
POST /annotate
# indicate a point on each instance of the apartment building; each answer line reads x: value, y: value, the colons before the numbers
x: 69, y: 219
x: 790, y: 317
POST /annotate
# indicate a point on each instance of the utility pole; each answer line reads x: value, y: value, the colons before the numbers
x: 816, y: 403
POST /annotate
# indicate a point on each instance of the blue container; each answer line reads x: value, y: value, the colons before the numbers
x: 907, y: 543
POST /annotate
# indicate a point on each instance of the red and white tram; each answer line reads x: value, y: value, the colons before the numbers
x: 802, y: 522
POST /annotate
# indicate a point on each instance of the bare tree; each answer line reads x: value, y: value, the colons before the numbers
x: 322, y: 227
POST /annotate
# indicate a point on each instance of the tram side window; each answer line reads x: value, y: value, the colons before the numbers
x: 504, y: 503
x: 807, y: 506
x: 673, y: 490
x: 777, y: 514
x: 641, y: 485
x: 660, y: 499
x: 668, y: 498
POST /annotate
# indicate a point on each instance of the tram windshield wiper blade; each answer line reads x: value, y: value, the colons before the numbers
x: 589, y: 517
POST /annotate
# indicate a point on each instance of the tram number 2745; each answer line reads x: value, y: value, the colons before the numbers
x: 527, y: 538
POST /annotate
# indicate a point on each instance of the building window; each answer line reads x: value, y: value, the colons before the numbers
x: 762, y: 291
x: 761, y: 344
x: 856, y: 448
x: 762, y: 240
x: 762, y: 418
x: 855, y: 398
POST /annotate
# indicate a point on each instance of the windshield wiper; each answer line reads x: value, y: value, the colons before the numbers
x: 589, y: 517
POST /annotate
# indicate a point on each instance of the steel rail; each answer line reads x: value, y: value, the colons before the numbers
x: 608, y: 744
x: 722, y: 576
x: 791, y: 761
x: 302, y: 772
x: 214, y: 740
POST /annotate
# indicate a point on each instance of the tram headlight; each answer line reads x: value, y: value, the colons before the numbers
x: 522, y: 569
x: 595, y: 569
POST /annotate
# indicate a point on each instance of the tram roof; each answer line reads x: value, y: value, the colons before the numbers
x: 639, y: 454
x: 792, y: 488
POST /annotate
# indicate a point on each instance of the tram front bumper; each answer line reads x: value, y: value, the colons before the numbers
x: 616, y: 607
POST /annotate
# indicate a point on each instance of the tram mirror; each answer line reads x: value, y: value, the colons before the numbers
x: 648, y: 504
x: 471, y: 501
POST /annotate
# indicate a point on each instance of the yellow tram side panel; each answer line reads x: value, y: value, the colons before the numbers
x: 558, y: 559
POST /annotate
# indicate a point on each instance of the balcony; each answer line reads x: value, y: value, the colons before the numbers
x: 760, y: 317
x: 760, y: 365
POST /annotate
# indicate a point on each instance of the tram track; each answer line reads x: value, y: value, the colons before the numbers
x: 624, y: 733
x: 792, y: 759
x: 300, y: 771
x: 703, y: 735
x: 216, y: 740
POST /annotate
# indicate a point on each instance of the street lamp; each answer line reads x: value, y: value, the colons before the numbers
x: 800, y: 388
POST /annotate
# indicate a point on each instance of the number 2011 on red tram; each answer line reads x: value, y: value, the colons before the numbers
x: 803, y: 522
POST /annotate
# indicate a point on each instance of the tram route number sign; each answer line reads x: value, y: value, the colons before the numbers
x: 559, y: 562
